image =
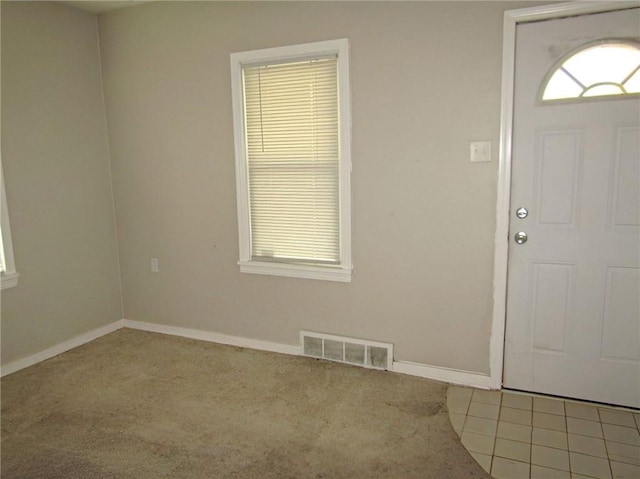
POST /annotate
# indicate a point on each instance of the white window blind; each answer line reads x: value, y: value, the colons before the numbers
x: 2, y: 267
x: 293, y: 160
x: 8, y: 273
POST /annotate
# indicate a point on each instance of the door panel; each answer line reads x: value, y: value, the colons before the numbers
x: 552, y: 286
x: 620, y: 325
x: 625, y: 212
x: 573, y: 299
x: 556, y: 176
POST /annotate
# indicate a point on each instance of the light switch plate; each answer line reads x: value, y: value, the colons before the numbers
x: 480, y: 151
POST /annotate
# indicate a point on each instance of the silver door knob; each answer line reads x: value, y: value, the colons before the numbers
x: 520, y: 237
x: 522, y: 213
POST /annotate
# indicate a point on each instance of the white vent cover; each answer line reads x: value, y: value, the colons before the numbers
x: 360, y: 352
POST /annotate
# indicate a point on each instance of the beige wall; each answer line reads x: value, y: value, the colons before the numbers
x: 425, y: 82
x: 56, y: 165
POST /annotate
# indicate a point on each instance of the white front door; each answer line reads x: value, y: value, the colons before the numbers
x: 573, y: 300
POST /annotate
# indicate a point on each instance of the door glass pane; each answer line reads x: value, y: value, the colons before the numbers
x: 607, y: 68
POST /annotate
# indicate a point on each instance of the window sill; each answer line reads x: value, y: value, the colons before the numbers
x: 326, y: 273
x: 8, y: 280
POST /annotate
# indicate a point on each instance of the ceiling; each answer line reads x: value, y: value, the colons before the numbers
x: 101, y: 6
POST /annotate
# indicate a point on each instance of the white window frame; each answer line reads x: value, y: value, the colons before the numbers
x: 8, y: 277
x: 341, y: 272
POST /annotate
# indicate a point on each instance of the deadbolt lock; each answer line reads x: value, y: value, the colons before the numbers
x: 522, y: 213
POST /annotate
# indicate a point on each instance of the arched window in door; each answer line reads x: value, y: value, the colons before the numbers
x: 609, y: 67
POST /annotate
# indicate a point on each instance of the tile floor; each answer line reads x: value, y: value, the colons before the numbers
x: 520, y: 436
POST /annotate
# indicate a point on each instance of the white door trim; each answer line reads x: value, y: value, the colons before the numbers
x: 511, y: 19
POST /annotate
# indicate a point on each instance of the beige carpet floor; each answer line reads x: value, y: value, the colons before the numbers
x: 141, y: 405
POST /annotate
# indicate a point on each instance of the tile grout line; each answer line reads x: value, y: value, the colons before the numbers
x: 605, y: 442
x: 531, y: 441
x: 495, y: 442
x: 566, y: 426
x: 606, y: 447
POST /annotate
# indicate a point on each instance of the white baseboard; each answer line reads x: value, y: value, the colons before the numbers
x: 464, y: 378
x: 14, y: 366
x: 213, y: 337
x: 453, y: 376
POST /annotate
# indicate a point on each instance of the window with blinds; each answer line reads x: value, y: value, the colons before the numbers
x: 291, y: 116
x: 2, y: 260
x: 8, y: 273
x: 292, y: 160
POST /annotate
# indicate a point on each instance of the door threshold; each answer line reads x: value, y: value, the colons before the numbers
x: 570, y: 399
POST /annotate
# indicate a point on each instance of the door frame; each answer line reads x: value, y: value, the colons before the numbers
x: 501, y: 252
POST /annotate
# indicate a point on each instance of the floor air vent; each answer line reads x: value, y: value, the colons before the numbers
x: 359, y: 352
